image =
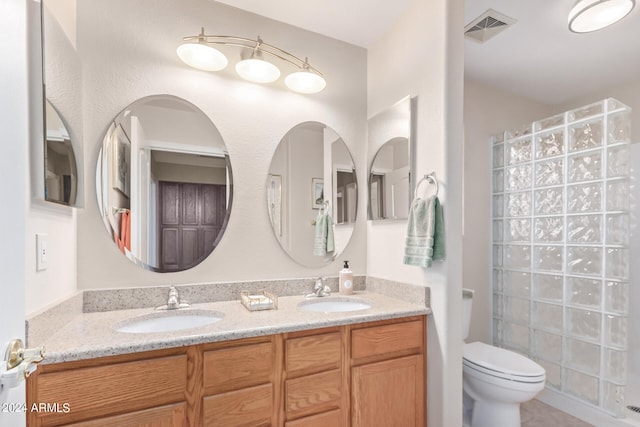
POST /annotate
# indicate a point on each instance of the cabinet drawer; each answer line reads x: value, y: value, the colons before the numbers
x: 395, y: 338
x: 248, y: 407
x: 331, y: 418
x: 122, y: 387
x: 312, y: 394
x: 313, y: 354
x: 238, y: 367
x: 165, y: 416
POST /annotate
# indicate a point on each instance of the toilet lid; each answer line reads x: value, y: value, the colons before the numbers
x: 501, y: 360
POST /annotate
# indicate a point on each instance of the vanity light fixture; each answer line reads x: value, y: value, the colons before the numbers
x: 256, y: 69
x: 197, y: 53
x: 591, y: 15
x: 305, y: 80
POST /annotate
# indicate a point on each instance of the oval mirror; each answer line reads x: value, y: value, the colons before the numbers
x: 164, y: 183
x: 312, y: 194
x: 390, y: 175
x: 61, y: 175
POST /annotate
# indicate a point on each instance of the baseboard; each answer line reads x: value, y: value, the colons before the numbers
x: 587, y: 413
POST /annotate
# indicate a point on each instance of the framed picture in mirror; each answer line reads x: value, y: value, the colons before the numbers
x: 121, y: 180
x: 317, y: 193
x: 274, y: 199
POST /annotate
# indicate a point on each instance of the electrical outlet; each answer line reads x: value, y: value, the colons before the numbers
x: 42, y: 254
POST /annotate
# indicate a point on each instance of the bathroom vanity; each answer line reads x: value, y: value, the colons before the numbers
x: 324, y: 369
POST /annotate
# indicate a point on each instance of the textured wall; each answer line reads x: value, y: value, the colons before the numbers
x: 481, y: 120
x: 422, y: 55
x: 127, y: 51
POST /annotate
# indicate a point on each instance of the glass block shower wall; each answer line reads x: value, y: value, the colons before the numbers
x: 560, y: 259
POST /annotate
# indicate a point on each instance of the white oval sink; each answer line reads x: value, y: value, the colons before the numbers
x: 169, y: 321
x: 333, y: 304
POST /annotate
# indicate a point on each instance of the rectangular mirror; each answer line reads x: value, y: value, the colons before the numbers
x: 392, y: 136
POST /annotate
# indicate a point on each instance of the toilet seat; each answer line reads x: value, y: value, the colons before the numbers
x: 501, y: 363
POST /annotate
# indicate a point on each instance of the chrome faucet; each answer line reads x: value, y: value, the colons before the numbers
x: 173, y: 301
x: 319, y: 289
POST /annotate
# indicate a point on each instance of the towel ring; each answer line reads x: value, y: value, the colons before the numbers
x: 325, y: 206
x: 430, y: 178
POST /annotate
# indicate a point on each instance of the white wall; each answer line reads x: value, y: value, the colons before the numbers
x: 422, y: 55
x: 14, y: 121
x: 136, y: 58
x: 487, y: 111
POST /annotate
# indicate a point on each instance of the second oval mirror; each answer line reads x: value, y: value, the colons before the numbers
x: 312, y: 194
x: 164, y: 183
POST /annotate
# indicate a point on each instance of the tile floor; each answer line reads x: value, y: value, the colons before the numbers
x: 537, y: 414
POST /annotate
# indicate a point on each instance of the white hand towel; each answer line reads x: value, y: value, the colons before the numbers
x: 320, y: 238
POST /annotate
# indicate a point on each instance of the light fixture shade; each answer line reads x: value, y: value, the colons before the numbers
x: 202, y: 57
x: 305, y: 82
x: 257, y: 70
x: 592, y: 15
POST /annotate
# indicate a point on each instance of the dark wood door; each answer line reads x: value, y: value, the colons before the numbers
x: 190, y: 218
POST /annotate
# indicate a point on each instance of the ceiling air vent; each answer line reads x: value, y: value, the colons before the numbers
x: 487, y: 25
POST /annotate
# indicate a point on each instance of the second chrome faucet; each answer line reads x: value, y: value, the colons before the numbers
x: 319, y: 289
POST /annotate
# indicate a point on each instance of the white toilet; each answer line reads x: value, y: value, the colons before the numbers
x: 495, y: 380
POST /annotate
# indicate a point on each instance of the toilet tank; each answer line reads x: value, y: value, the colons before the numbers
x: 467, y: 300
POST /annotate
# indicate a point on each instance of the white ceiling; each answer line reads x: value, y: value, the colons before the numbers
x: 359, y: 22
x: 538, y: 57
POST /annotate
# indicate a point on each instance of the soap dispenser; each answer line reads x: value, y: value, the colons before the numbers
x: 346, y: 280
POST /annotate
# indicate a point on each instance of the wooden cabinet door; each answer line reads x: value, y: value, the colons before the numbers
x: 389, y: 393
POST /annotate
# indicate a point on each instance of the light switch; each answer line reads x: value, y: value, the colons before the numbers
x: 42, y: 255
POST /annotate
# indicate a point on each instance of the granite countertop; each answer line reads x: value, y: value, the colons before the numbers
x: 91, y: 335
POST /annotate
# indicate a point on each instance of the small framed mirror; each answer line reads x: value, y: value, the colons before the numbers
x: 392, y: 135
x: 60, y: 169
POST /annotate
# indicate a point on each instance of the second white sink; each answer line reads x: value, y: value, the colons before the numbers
x: 334, y: 304
x: 169, y: 321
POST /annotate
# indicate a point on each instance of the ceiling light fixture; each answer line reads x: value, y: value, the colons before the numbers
x: 592, y: 15
x: 196, y: 52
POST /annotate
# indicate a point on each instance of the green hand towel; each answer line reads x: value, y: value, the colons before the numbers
x: 438, y: 231
x: 425, y: 233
